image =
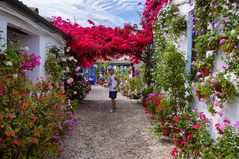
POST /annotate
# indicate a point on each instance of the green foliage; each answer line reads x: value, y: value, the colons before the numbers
x: 170, y: 74
x: 171, y: 22
x: 165, y: 108
x: 62, y: 67
x: 135, y: 87
x: 32, y: 115
x: 217, y: 88
x: 147, y: 91
x: 75, y: 104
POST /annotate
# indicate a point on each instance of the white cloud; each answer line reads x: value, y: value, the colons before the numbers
x: 107, y: 12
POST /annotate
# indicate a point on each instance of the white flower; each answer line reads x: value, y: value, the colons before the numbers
x: 15, y: 75
x: 63, y: 59
x: 238, y: 37
x: 75, y: 60
x: 26, y: 48
x: 77, y: 69
x: 233, y: 32
x: 209, y: 53
x: 68, y: 49
x: 237, y: 13
x: 71, y: 58
x: 9, y: 63
x: 67, y: 69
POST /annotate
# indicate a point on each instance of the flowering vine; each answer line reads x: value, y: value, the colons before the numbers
x: 100, y: 42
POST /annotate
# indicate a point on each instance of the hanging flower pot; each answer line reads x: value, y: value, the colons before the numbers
x: 165, y: 130
x: 205, y: 70
x: 199, y: 94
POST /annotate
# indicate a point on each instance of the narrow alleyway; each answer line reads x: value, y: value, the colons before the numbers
x: 122, y: 135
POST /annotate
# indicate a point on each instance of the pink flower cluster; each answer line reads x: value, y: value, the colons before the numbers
x: 101, y: 42
x: 30, y: 61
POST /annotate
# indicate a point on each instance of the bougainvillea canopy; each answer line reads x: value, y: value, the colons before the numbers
x: 104, y: 43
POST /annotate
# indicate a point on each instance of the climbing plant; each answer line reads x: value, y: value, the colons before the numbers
x: 215, y: 27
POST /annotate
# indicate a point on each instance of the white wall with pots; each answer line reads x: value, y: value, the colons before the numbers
x: 38, y: 38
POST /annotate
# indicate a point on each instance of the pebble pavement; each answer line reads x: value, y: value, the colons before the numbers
x: 122, y: 135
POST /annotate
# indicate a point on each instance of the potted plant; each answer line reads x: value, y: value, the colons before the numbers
x: 163, y: 112
x: 171, y: 76
x: 204, y: 64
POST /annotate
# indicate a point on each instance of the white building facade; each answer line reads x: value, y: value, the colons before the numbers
x: 17, y: 21
x: 231, y: 111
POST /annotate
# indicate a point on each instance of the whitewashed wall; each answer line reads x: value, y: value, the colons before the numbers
x: 37, y: 41
x: 231, y: 112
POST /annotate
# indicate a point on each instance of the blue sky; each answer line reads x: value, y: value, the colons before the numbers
x: 108, y: 12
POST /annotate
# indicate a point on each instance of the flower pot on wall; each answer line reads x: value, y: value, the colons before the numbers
x: 165, y: 130
x: 205, y: 70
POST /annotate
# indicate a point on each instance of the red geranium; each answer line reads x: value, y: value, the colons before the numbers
x: 174, y: 152
x: 176, y: 119
x: 189, y: 137
x: 16, y: 142
x: 197, y: 126
x: 9, y: 134
x: 227, y: 122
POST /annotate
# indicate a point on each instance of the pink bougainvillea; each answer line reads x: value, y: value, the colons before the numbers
x: 90, y: 44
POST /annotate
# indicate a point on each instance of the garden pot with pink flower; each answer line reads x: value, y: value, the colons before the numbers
x: 205, y: 70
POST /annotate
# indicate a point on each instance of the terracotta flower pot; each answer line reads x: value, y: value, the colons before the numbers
x: 199, y: 95
x: 178, y: 142
x: 205, y: 70
x: 165, y: 130
x: 175, y: 10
